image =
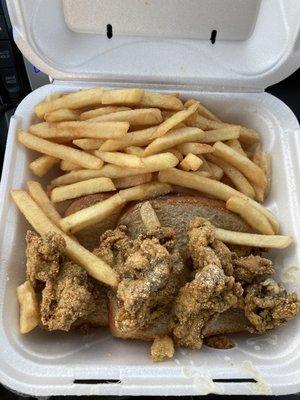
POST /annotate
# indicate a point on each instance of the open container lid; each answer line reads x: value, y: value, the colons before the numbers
x: 257, y: 42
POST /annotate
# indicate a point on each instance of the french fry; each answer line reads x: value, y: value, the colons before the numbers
x: 217, y: 172
x: 236, y: 145
x: 160, y: 161
x: 155, y: 163
x: 207, y: 124
x: 137, y: 138
x: 91, y: 215
x: 263, y: 160
x: 137, y: 117
x: 132, y: 161
x: 40, y: 197
x: 254, y: 240
x: 181, y: 125
x: 149, y: 217
x: 129, y: 181
x: 167, y: 114
x: 250, y: 214
x: 82, y: 98
x: 203, y: 110
x: 206, y: 167
x: 242, y: 163
x: 94, y: 266
x: 162, y: 101
x: 176, y: 153
x: 237, y: 178
x: 59, y: 150
x: 123, y: 96
x: 41, y: 165
x: 192, y: 180
x: 174, y: 138
x: 247, y: 135
x: 266, y: 166
x: 230, y: 132
x: 88, y: 144
x: 80, y: 129
x: 193, y: 117
x: 121, y: 159
x: 272, y: 219
x: 204, y: 173
x: 174, y: 120
x: 195, y: 148
x: 214, y: 188
x: 78, y: 176
x: 83, y: 188
x: 63, y: 114
x: 97, y: 112
x: 68, y: 166
x: 29, y: 307
x: 135, y: 150
x: 64, y: 140
x: 190, y: 163
x: 145, y: 191
x: 259, y: 193
x: 54, y: 96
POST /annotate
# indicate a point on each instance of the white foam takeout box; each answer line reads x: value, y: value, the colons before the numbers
x: 165, y: 46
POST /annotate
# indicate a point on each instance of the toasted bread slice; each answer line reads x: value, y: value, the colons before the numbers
x: 173, y: 211
x: 231, y: 321
x: 176, y: 210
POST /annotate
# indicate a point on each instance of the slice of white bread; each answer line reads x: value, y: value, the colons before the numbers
x: 173, y: 211
x: 177, y: 210
x: 231, y: 321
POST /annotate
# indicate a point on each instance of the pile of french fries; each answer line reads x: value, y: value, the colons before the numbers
x: 135, y: 145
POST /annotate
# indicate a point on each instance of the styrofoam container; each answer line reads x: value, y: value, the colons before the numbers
x: 43, y: 363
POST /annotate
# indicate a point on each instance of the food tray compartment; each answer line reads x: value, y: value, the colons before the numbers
x: 43, y: 363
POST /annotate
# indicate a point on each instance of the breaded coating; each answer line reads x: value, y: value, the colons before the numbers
x: 247, y: 269
x: 162, y: 348
x: 150, y: 271
x: 209, y: 294
x: 44, y: 255
x: 114, y: 247
x: 221, y: 342
x: 268, y: 305
x: 244, y: 251
x: 97, y: 316
x: 205, y: 249
x: 69, y: 296
x: 217, y: 287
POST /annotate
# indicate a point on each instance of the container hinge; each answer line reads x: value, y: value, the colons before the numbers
x: 162, y: 86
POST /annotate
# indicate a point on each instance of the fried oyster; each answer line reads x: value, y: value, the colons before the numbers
x: 151, y: 272
x: 67, y: 294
